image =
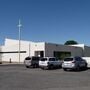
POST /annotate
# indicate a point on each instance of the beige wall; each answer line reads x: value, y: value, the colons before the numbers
x: 86, y: 51
x: 50, y: 48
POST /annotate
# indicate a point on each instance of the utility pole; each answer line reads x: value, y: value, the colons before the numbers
x: 29, y: 49
x: 19, y: 26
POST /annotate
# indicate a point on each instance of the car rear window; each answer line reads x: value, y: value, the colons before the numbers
x: 43, y: 59
x: 68, y: 59
x: 52, y: 59
x: 27, y: 58
x: 35, y: 58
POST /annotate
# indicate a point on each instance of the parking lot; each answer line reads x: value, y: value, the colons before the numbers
x: 18, y: 77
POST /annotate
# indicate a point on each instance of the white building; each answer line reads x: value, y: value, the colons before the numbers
x: 10, y: 50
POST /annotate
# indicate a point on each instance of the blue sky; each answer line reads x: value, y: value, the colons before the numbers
x: 53, y: 21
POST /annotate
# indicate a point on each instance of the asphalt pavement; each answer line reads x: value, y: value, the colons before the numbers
x: 18, y: 77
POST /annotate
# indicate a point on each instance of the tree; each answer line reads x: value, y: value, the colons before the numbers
x: 70, y: 42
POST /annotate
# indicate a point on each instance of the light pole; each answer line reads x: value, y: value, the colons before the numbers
x: 19, y: 26
x: 29, y: 50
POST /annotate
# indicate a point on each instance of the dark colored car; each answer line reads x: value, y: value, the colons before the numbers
x: 32, y: 62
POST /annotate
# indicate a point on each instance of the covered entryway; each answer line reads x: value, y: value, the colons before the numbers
x: 39, y: 53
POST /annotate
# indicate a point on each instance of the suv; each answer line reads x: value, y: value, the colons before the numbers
x: 74, y: 63
x: 32, y: 62
x: 49, y: 63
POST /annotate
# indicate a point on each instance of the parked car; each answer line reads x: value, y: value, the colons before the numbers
x: 32, y: 62
x: 49, y: 63
x: 75, y: 63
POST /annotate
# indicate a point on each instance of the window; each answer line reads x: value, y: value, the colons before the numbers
x: 52, y: 59
x: 39, y: 53
x: 43, y: 59
x: 78, y: 58
x: 27, y: 58
x: 61, y: 54
x: 68, y: 59
x: 35, y: 58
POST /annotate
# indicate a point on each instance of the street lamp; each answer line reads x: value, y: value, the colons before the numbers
x: 19, y: 26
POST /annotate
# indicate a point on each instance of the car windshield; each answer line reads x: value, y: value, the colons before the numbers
x: 68, y: 59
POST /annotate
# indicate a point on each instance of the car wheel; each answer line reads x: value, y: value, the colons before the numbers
x: 60, y: 66
x: 85, y: 67
x: 78, y: 68
x: 27, y: 67
x: 43, y: 68
x: 51, y: 67
x: 34, y: 66
x: 65, y: 69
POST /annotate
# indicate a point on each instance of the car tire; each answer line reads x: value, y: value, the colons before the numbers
x: 51, y: 67
x: 78, y: 68
x: 59, y: 66
x: 27, y: 67
x: 34, y: 66
x: 85, y: 67
x: 43, y: 68
x: 65, y: 69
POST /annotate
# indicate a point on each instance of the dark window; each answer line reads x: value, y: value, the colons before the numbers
x: 51, y: 59
x: 39, y: 53
x: 35, y: 58
x: 68, y: 59
x: 27, y: 58
x: 43, y: 59
x: 78, y: 58
x: 61, y: 54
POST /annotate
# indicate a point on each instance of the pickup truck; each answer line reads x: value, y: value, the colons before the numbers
x: 49, y: 63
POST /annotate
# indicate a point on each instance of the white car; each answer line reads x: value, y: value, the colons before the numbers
x: 49, y: 63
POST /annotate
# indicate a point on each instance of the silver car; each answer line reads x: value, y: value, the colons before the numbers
x: 75, y: 63
x: 49, y: 63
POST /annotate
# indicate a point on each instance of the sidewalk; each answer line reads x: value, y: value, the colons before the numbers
x: 13, y: 63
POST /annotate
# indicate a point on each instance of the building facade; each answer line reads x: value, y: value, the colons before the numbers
x: 10, y: 50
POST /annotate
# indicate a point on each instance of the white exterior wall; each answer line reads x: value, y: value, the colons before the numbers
x: 0, y: 54
x: 87, y: 59
x: 50, y: 48
x: 12, y: 46
x: 36, y: 47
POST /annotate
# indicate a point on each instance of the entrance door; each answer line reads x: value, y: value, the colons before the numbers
x: 39, y: 53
